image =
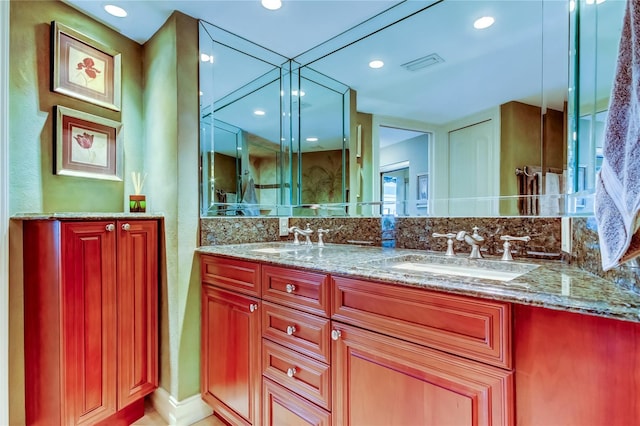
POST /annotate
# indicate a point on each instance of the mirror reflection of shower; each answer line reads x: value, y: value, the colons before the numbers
x: 404, y: 171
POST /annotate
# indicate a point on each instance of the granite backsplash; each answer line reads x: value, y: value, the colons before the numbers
x: 416, y: 233
x: 400, y: 232
x: 585, y: 254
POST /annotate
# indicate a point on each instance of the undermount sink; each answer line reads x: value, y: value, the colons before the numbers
x: 459, y: 266
x: 280, y: 248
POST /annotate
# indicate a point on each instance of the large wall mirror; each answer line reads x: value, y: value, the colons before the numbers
x: 458, y: 122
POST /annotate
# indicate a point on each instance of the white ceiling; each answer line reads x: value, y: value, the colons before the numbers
x: 313, y: 21
x: 522, y: 57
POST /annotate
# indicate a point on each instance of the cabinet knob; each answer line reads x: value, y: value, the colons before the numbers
x: 110, y: 227
x: 253, y: 307
x: 336, y: 334
x: 291, y: 329
x: 126, y: 226
x: 290, y: 288
x: 291, y: 371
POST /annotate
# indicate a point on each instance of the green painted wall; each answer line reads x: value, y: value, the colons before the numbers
x: 171, y: 128
x: 34, y: 187
x: 160, y: 135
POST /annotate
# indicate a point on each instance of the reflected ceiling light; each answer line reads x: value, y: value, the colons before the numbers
x: 375, y: 64
x: 272, y: 4
x: 206, y: 58
x: 295, y: 93
x: 572, y: 5
x: 201, y: 93
x: 259, y: 112
x: 312, y: 139
x: 600, y: 1
x: 484, y: 22
x: 116, y: 11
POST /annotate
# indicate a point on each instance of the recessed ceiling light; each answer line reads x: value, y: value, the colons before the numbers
x: 259, y: 112
x: 272, y: 4
x: 376, y: 64
x: 116, y: 11
x: 312, y: 139
x: 206, y: 58
x: 484, y: 22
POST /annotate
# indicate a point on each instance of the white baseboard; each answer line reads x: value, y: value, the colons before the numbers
x: 179, y: 413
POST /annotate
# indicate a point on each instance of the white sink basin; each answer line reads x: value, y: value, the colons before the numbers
x: 460, y: 271
x: 272, y: 250
x: 276, y: 248
x: 462, y: 267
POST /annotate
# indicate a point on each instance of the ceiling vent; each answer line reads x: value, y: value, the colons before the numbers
x: 425, y: 61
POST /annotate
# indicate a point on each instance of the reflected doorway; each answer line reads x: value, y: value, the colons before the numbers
x: 394, y: 186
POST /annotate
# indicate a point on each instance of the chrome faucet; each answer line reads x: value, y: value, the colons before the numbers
x: 506, y: 255
x: 304, y: 232
x: 449, y: 236
x: 321, y: 232
x: 474, y: 240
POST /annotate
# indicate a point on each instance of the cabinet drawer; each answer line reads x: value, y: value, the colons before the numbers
x: 473, y: 328
x: 232, y: 274
x: 305, y: 333
x: 283, y: 407
x: 307, y: 291
x: 303, y: 375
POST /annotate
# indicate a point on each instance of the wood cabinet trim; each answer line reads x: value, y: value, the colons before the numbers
x: 312, y: 379
x: 311, y: 336
x: 232, y: 274
x: 310, y: 413
x: 312, y: 290
x: 473, y: 328
x: 488, y: 389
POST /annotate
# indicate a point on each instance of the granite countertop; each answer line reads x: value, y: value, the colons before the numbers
x: 86, y: 216
x: 550, y: 284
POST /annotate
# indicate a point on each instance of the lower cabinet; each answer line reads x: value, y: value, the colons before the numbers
x: 283, y: 407
x: 91, y: 320
x: 334, y: 351
x: 230, y: 358
x: 381, y: 380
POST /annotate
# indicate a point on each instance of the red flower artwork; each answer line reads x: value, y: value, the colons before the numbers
x: 89, y: 67
x: 85, y: 140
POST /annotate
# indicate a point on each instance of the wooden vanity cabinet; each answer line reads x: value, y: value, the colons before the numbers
x: 409, y: 356
x: 296, y: 347
x: 231, y: 374
x: 91, y: 320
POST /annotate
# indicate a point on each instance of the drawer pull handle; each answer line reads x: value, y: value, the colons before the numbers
x: 335, y: 334
x: 126, y: 226
x: 253, y: 307
x: 291, y: 329
x: 110, y: 227
x: 290, y: 288
x: 291, y: 371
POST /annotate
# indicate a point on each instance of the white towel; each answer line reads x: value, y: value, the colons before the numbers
x: 617, y: 200
x: 550, y: 201
x: 250, y: 198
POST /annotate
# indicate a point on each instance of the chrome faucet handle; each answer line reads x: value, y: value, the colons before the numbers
x: 307, y: 234
x: 321, y: 232
x: 450, y: 236
x: 506, y: 255
x: 296, y: 231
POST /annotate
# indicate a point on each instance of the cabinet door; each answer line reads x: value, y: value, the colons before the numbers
x: 137, y: 310
x: 88, y: 321
x: 284, y: 408
x: 380, y: 380
x: 230, y: 358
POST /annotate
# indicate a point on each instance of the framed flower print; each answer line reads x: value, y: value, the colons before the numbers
x: 87, y: 145
x: 84, y: 69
